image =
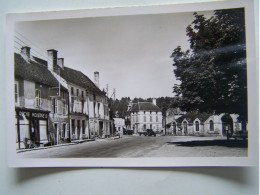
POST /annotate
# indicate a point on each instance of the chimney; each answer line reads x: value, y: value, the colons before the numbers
x: 96, y: 78
x: 154, y: 101
x: 26, y: 54
x: 61, y: 62
x: 52, y: 63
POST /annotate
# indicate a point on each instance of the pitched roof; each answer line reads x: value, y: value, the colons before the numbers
x: 33, y: 71
x: 144, y: 106
x: 78, y: 78
x: 191, y: 116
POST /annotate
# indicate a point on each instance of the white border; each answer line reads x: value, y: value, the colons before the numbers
x: 251, y: 160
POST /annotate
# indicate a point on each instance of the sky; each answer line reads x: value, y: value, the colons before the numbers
x: 131, y: 53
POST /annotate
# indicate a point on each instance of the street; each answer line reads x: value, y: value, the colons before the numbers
x: 145, y: 146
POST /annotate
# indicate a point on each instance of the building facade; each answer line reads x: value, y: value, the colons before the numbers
x: 38, y: 121
x: 119, y: 125
x: 88, y: 107
x: 145, y: 115
x: 203, y: 124
x: 55, y: 104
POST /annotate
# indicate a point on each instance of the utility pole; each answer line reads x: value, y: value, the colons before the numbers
x: 165, y: 125
x: 114, y: 94
x: 107, y: 89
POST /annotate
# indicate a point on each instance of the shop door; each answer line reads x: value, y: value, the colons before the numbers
x: 100, y: 128
x: 35, y: 132
x: 78, y: 129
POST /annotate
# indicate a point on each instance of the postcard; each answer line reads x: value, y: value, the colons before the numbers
x: 153, y: 86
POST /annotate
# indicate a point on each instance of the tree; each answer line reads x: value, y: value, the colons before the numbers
x: 213, y: 72
x: 118, y: 108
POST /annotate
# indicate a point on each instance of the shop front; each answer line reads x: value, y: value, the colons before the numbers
x: 32, y: 128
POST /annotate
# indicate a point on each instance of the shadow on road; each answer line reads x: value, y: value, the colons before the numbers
x: 225, y: 143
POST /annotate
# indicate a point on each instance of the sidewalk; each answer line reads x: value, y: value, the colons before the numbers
x: 74, y: 142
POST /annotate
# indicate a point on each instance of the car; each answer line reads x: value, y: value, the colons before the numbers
x: 148, y: 132
x: 128, y: 132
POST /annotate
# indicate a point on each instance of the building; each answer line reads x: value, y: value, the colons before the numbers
x: 145, y: 115
x: 204, y: 124
x: 100, y: 124
x: 88, y: 107
x: 171, y: 115
x: 119, y: 125
x: 41, y: 103
x: 56, y: 104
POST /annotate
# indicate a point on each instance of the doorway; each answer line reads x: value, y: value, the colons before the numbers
x: 227, y: 124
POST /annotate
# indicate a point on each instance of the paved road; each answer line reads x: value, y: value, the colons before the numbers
x: 144, y: 146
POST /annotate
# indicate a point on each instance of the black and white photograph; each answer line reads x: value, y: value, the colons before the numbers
x: 133, y: 87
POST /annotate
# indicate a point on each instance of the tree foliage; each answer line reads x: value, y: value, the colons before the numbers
x: 213, y: 72
x: 118, y: 108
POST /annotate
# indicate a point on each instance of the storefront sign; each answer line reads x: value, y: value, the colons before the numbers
x: 33, y: 114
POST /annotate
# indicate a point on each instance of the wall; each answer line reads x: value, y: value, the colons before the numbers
x: 207, y: 180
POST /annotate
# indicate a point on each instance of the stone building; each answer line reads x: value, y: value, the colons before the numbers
x: 41, y: 103
x: 145, y: 115
x: 203, y: 124
x: 88, y: 108
x: 56, y: 104
x: 119, y: 125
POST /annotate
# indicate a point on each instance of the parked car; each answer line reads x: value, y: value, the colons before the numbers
x: 128, y: 132
x: 148, y: 132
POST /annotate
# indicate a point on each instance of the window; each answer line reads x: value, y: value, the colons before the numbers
x: 63, y: 95
x: 63, y: 108
x: 72, y: 91
x: 197, y: 126
x: 211, y: 125
x: 144, y: 118
x: 37, y: 98
x: 77, y: 92
x: 151, y: 118
x: 54, y: 105
x: 82, y: 94
x: 157, y: 118
x: 144, y: 127
x: 72, y: 104
x: 16, y: 92
x: 98, y: 108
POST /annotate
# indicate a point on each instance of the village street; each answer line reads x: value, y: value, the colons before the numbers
x: 145, y: 146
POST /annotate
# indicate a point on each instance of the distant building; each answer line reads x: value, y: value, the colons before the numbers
x: 204, y: 124
x: 145, y: 115
x: 119, y: 125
